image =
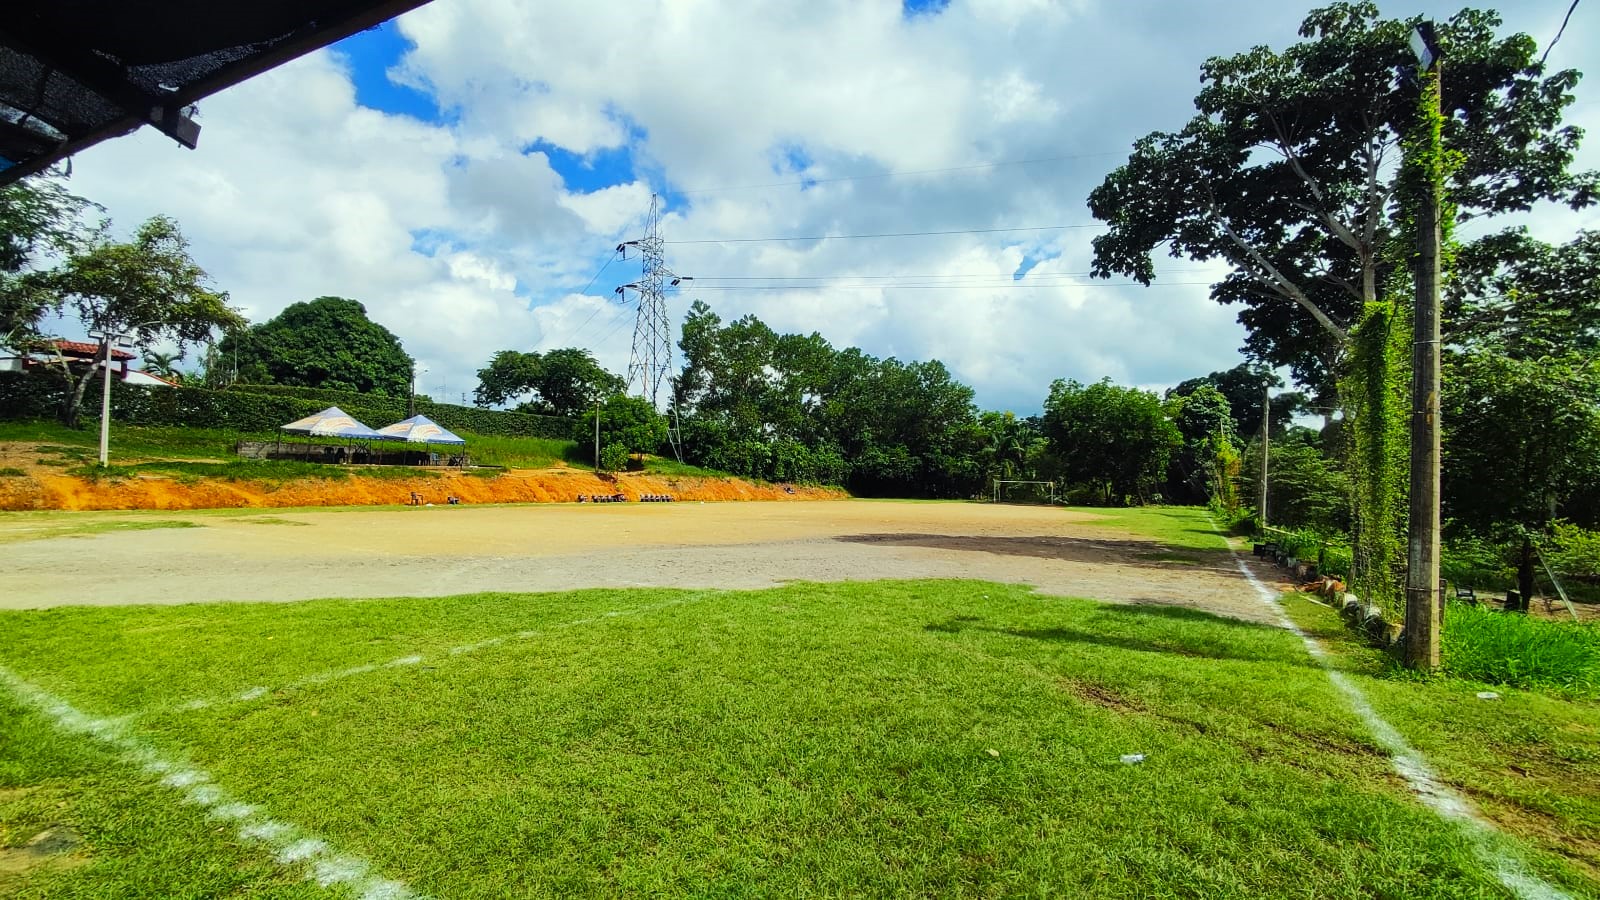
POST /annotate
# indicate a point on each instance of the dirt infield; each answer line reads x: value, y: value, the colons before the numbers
x: 304, y: 554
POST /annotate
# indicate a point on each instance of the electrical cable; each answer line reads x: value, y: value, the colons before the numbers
x: 970, y: 168
x: 887, y: 234
x: 1559, y: 33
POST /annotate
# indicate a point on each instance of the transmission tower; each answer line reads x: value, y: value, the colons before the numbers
x: 651, y: 361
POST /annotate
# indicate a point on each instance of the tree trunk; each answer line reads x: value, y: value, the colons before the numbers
x: 71, y: 409
x: 1525, y: 575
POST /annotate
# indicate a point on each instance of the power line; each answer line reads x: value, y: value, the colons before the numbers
x: 942, y: 287
x: 606, y: 265
x: 1031, y: 274
x: 887, y: 234
x: 1559, y: 33
x: 970, y: 168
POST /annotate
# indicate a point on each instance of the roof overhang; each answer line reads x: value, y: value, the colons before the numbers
x: 76, y: 72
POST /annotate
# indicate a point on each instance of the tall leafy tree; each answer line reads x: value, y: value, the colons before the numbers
x: 1117, y: 440
x: 148, y: 287
x: 559, y: 383
x: 629, y: 422
x: 1525, y: 444
x: 39, y: 217
x: 325, y: 343
x: 1519, y: 296
x: 1288, y: 171
x: 1245, y: 387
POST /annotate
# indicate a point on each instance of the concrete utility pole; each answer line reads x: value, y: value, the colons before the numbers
x: 1423, y: 597
x: 105, y: 401
x: 597, y: 435
x: 1266, y: 415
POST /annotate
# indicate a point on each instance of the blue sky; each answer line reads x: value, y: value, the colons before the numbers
x: 465, y: 170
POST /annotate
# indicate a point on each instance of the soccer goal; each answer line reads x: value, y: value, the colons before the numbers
x: 1006, y: 491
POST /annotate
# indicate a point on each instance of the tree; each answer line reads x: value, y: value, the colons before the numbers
x: 1204, y: 421
x: 509, y: 375
x: 1117, y: 440
x: 37, y: 216
x: 1521, y: 297
x: 1305, y: 488
x: 324, y: 343
x: 148, y: 287
x: 1287, y: 173
x: 558, y: 383
x: 568, y: 380
x: 1526, y: 442
x: 162, y: 364
x: 1244, y: 386
x: 629, y: 422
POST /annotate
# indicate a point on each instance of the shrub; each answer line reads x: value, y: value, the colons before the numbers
x: 614, y: 457
x: 1508, y: 648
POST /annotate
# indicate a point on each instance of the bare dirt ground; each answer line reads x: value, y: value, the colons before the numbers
x: 304, y: 554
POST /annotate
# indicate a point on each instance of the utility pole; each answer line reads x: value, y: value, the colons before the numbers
x: 597, y: 435
x: 1423, y: 597
x: 105, y: 400
x: 1266, y: 414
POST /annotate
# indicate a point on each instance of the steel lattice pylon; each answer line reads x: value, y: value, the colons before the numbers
x: 651, y: 360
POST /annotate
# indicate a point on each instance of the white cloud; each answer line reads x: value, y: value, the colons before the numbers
x: 463, y: 243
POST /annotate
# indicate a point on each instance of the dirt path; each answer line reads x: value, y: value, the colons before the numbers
x: 307, y: 554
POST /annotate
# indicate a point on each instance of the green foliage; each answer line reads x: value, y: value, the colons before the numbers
x: 37, y: 214
x: 1116, y: 440
x: 1524, y: 439
x: 792, y: 408
x: 256, y: 408
x: 1245, y: 386
x: 1305, y: 225
x: 328, y: 342
x: 147, y: 287
x: 1305, y: 488
x: 1523, y: 298
x: 1206, y: 465
x: 613, y: 457
x: 627, y: 422
x: 560, y: 383
x: 1376, y: 392
x: 1505, y: 648
x: 1574, y: 550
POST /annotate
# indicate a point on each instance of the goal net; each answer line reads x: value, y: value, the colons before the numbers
x: 1024, y: 491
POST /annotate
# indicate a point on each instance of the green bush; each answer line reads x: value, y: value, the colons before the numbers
x: 614, y: 457
x: 1514, y: 649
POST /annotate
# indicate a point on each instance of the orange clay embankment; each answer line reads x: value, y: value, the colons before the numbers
x: 517, y: 486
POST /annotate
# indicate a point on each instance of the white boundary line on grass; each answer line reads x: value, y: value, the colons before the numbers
x: 290, y: 845
x: 413, y: 659
x: 1410, y: 764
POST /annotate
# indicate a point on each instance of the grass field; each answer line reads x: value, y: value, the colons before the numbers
x: 926, y: 738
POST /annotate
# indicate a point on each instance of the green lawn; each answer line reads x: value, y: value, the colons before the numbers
x: 880, y: 739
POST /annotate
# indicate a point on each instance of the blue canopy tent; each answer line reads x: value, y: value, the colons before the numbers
x: 331, y: 422
x: 421, y: 430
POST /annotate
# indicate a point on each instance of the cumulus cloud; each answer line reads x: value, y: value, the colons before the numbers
x: 466, y: 235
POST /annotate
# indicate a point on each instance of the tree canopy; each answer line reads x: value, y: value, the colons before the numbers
x: 148, y: 288
x: 38, y: 216
x: 561, y: 382
x: 1117, y: 438
x: 1288, y: 171
x: 326, y: 343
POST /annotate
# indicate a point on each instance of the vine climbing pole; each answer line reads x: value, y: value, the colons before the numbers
x: 651, y: 359
x: 1425, y: 170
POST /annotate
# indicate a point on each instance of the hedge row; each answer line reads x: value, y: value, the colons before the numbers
x: 32, y: 396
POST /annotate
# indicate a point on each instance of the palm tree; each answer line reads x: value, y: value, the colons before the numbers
x: 164, y: 365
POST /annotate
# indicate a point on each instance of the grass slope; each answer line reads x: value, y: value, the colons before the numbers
x: 892, y: 738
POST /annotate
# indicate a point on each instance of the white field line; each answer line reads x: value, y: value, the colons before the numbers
x: 1411, y: 766
x: 317, y: 678
x: 289, y: 844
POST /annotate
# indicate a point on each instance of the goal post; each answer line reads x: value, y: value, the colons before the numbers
x: 1003, y: 488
